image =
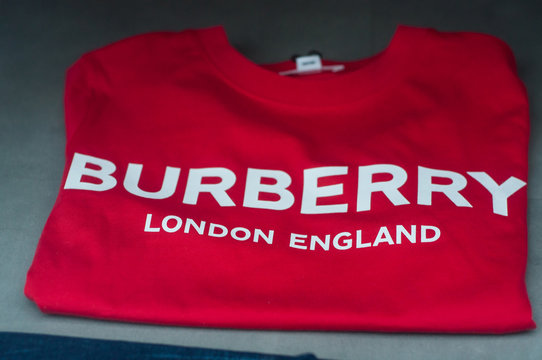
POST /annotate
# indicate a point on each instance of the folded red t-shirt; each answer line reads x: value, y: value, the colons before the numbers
x: 381, y: 194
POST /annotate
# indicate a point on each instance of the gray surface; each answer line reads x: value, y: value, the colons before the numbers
x: 38, y: 41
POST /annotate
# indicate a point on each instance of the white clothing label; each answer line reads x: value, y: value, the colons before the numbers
x: 308, y: 63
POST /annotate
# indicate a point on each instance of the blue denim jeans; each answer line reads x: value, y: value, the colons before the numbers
x: 49, y: 347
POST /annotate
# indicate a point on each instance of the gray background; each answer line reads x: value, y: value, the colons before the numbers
x: 39, y: 40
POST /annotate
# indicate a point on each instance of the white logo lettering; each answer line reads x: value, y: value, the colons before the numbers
x: 79, y: 168
x: 366, y: 186
x: 426, y: 187
x: 254, y: 187
x: 311, y: 190
x: 194, y: 185
x: 95, y: 174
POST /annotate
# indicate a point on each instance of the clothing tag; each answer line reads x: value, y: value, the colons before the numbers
x: 308, y: 63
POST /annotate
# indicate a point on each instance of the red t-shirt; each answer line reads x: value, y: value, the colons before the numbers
x: 203, y: 189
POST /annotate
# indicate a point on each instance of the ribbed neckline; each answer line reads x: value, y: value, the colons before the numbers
x: 367, y: 76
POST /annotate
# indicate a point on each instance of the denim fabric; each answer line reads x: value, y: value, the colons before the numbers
x: 49, y: 347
